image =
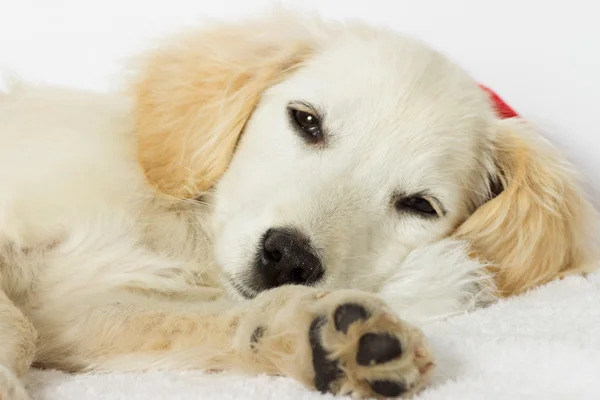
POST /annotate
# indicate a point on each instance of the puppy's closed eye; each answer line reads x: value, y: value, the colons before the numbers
x: 418, y: 205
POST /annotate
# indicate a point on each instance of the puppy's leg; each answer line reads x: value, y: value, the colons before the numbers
x: 339, y: 342
x: 17, y: 348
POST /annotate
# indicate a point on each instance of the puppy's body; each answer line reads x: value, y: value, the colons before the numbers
x: 110, y: 257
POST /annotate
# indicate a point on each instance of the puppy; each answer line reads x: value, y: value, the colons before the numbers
x: 269, y: 198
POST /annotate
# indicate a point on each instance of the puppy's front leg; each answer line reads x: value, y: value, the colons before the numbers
x: 17, y: 348
x: 339, y: 342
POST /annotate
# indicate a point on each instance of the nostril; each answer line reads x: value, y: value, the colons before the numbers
x: 272, y: 255
x: 276, y: 255
x: 271, y: 252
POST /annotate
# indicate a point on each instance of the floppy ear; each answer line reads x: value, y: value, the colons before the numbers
x: 193, y: 97
x: 541, y: 225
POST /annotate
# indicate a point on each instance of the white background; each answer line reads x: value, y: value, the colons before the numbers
x: 543, y: 57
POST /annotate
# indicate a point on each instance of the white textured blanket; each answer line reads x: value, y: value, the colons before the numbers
x: 543, y: 345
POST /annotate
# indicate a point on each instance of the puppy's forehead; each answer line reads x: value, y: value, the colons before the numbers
x: 389, y: 80
x: 396, y: 98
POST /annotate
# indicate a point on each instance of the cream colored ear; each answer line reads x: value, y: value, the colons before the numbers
x: 541, y: 226
x: 194, y: 96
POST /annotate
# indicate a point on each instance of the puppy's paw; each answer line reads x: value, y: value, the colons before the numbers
x: 359, y: 347
x: 342, y: 342
x: 11, y: 387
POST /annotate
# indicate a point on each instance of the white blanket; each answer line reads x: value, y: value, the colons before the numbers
x: 543, y: 345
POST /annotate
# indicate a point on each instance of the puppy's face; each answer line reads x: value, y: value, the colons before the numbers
x: 372, y: 148
x: 330, y: 152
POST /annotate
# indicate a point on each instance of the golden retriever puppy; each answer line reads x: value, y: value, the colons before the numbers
x: 283, y: 196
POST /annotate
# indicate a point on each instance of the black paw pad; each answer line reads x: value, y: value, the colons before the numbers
x: 346, y: 314
x: 377, y: 348
x: 255, y: 338
x: 388, y: 388
x: 326, y: 370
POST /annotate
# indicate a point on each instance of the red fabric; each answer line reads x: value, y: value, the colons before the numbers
x: 503, y: 109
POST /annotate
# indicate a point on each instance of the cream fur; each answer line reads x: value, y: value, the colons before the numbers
x: 127, y: 222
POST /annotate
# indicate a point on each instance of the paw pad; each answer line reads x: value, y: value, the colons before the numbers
x: 388, y: 388
x: 326, y: 370
x: 255, y: 338
x: 377, y: 348
x: 346, y: 314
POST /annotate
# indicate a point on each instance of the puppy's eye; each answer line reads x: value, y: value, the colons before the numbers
x: 416, y: 204
x: 307, y: 124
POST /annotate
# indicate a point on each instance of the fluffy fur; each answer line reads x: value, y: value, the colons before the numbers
x: 129, y: 224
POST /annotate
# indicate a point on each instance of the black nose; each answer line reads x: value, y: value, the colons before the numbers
x: 286, y: 257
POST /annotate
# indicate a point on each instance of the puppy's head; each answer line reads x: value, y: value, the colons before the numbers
x: 332, y: 151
